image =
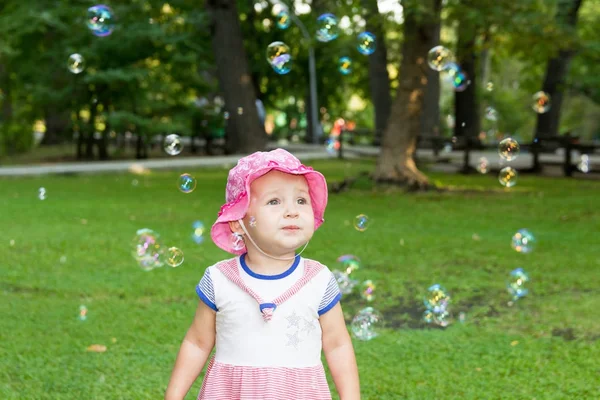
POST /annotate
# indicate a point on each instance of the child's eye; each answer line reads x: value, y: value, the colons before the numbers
x: 302, y: 200
x: 273, y: 202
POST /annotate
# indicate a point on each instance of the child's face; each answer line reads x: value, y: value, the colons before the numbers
x: 282, y: 210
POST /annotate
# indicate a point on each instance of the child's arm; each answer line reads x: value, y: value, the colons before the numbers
x: 339, y: 353
x: 195, y: 349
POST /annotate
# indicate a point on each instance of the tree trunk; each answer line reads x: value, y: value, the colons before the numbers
x: 556, y: 72
x: 140, y: 146
x: 91, y: 132
x: 246, y: 135
x: 430, y: 119
x: 396, y: 162
x: 466, y: 104
x: 379, y: 80
x: 57, y: 124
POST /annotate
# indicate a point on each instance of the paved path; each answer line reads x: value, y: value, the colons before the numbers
x: 446, y: 161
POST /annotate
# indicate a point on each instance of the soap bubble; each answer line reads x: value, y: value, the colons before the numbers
x: 42, y: 193
x: 83, y: 311
x: 345, y: 65
x: 508, y: 177
x: 516, y: 284
x: 278, y: 56
x: 350, y: 263
x: 523, y: 241
x: 148, y: 249
x: 174, y: 257
x: 361, y: 222
x: 367, y: 290
x: 366, y: 43
x: 366, y: 324
x: 541, y: 102
x: 327, y: 27
x: 283, y: 19
x: 460, y: 81
x: 186, y: 183
x: 237, y: 242
x: 491, y: 114
x: 438, y: 57
x: 198, y: 234
x: 345, y: 283
x: 332, y: 145
x: 437, y: 298
x: 100, y: 20
x: 173, y: 145
x: 482, y: 165
x: 584, y: 164
x: 76, y: 63
x: 440, y: 318
x: 508, y: 149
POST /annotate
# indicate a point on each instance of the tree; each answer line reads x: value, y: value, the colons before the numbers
x: 556, y: 71
x: 246, y: 134
x: 396, y: 162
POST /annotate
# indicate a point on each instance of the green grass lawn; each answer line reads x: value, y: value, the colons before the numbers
x: 544, y: 347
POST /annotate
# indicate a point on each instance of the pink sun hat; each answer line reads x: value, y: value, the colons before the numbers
x: 237, y: 191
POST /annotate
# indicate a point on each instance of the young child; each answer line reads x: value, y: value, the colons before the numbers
x: 269, y: 311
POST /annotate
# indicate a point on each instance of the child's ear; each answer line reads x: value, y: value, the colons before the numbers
x: 236, y: 227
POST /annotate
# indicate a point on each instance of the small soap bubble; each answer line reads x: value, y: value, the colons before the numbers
x: 440, y: 318
x: 76, y: 63
x: 173, y: 145
x: 491, y: 114
x: 237, y: 242
x: 135, y: 182
x: 198, y: 233
x: 226, y: 115
x: 100, y: 20
x: 350, y: 263
x: 174, y: 257
x: 509, y: 149
x: 252, y: 221
x: 279, y: 57
x: 11, y: 243
x: 63, y: 259
x: 489, y: 86
x: 584, y: 164
x: 437, y: 298
x: 367, y: 324
x: 541, y: 102
x: 327, y: 27
x: 82, y: 313
x: 283, y: 19
x: 523, y: 241
x: 361, y: 222
x: 367, y: 290
x: 148, y: 249
x: 186, y: 183
x: 508, y: 177
x: 483, y: 165
x: 516, y: 284
x: 460, y: 81
x: 332, y: 145
x: 345, y: 65
x: 366, y: 43
x: 42, y: 193
x: 439, y: 57
x: 345, y: 283
x: 462, y: 317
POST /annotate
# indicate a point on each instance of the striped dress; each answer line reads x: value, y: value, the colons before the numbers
x: 268, y: 336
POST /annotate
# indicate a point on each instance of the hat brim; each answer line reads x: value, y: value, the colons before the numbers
x: 317, y: 188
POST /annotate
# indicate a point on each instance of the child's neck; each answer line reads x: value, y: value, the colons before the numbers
x: 264, y: 265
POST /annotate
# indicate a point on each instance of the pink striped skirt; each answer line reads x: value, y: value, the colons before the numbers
x: 233, y: 382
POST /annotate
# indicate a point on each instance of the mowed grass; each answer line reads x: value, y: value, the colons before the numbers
x: 544, y: 347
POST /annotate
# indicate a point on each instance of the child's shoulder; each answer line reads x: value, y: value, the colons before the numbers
x: 230, y: 262
x: 323, y: 270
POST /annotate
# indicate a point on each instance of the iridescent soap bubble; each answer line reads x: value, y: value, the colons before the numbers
x: 332, y: 145
x: 345, y: 65
x: 437, y: 299
x: 76, y: 63
x: 441, y: 318
x: 541, y: 102
x: 460, y: 81
x: 237, y: 242
x: 148, y: 249
x: 438, y: 57
x: 508, y: 177
x: 350, y: 263
x: 186, y: 183
x: 367, y: 324
x: 283, y: 19
x: 584, y: 164
x: 516, y: 283
x: 361, y: 222
x: 100, y: 20
x: 491, y: 114
x: 83, y: 311
x: 523, y: 241
x: 42, y: 193
x: 327, y: 27
x: 482, y: 165
x: 365, y: 43
x: 174, y: 257
x: 345, y: 283
x: 172, y: 145
x: 509, y: 149
x: 279, y: 57
x: 367, y: 290
x: 198, y: 233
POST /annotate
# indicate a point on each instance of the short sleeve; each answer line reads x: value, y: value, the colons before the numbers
x: 331, y: 296
x: 206, y: 291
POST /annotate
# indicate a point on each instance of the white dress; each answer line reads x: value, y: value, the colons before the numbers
x: 271, y: 351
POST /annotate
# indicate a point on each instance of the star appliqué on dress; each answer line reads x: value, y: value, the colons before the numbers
x: 307, y: 326
x: 293, y: 320
x: 293, y: 340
